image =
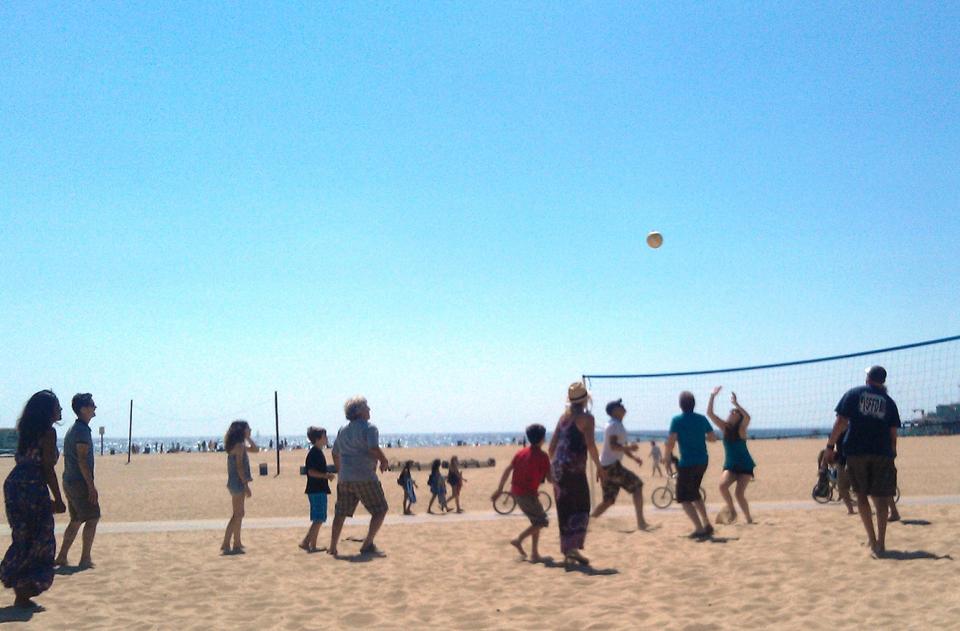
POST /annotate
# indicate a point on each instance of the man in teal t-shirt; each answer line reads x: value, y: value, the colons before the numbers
x: 691, y: 431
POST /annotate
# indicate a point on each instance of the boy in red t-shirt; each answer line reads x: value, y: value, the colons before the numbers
x: 530, y: 466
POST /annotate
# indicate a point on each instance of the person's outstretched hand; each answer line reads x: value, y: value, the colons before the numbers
x: 716, y: 391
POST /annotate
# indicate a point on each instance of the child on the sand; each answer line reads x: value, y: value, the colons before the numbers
x: 456, y: 480
x: 438, y: 488
x: 530, y: 466
x: 406, y: 481
x: 318, y: 487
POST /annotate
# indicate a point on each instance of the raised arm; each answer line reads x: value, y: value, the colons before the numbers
x: 743, y: 412
x: 719, y: 422
x: 252, y: 446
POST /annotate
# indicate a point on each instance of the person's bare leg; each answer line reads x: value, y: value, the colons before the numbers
x: 228, y: 534
x: 847, y: 501
x: 309, y: 542
x: 741, y: 492
x: 863, y: 507
x: 638, y: 508
x: 535, y: 544
x: 702, y: 509
x: 68, y: 537
x: 335, y: 531
x: 238, y: 512
x: 375, y: 522
x: 89, y: 533
x: 883, y: 511
x: 894, y: 513
x: 726, y: 480
x: 691, y: 512
x: 518, y: 542
x: 602, y: 508
x: 430, y: 506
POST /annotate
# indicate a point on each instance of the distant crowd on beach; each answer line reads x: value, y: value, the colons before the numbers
x: 861, y: 451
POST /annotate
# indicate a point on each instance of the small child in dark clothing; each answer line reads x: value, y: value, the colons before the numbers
x: 318, y: 487
x: 438, y: 487
x: 409, y: 484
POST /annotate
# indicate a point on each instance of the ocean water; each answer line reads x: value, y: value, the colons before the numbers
x: 439, y: 439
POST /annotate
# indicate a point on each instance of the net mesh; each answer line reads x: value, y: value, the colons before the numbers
x: 798, y: 398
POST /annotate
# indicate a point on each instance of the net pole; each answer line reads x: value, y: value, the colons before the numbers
x: 130, y: 432
x: 276, y: 417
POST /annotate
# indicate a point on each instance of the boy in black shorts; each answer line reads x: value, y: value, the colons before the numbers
x: 530, y: 467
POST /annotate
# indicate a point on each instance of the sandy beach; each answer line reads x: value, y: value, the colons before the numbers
x: 801, y: 566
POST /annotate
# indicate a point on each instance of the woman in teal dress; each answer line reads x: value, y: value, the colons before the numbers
x: 738, y: 465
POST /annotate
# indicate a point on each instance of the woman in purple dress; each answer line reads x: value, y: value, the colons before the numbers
x: 27, y: 567
x: 571, y: 442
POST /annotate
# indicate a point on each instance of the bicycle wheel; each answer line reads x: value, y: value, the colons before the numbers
x: 546, y: 500
x: 661, y: 497
x: 820, y: 499
x: 505, y: 503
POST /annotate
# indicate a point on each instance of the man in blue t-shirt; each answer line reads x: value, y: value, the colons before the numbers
x: 870, y: 419
x: 691, y: 431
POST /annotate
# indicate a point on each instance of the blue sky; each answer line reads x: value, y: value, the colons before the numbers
x: 443, y: 206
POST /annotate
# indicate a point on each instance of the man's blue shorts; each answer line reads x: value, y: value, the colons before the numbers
x: 318, y: 507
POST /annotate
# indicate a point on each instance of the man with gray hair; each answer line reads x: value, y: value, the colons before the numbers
x: 356, y: 452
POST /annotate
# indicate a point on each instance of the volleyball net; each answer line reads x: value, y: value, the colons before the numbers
x: 797, y: 398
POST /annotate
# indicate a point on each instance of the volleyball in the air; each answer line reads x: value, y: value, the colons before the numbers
x: 654, y: 239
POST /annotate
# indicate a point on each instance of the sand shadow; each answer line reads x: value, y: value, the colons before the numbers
x: 589, y: 570
x: 17, y: 614
x: 68, y: 570
x: 360, y: 557
x: 717, y: 539
x: 914, y: 555
x: 915, y: 522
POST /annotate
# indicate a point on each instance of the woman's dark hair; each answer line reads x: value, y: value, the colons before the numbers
x: 732, y: 431
x: 315, y: 433
x: 235, y: 434
x: 536, y: 433
x: 36, y: 420
x: 435, y: 467
x: 407, y: 465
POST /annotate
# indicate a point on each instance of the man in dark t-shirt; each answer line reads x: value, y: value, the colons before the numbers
x: 870, y: 419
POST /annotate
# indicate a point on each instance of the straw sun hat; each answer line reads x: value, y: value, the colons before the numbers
x: 577, y: 392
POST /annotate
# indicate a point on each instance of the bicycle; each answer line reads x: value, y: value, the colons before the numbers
x: 832, y: 492
x: 663, y: 496
x: 506, y: 502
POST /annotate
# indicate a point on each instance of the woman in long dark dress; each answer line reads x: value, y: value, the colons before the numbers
x: 27, y: 567
x: 571, y: 442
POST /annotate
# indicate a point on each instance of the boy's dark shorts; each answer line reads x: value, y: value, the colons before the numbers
x: 78, y: 502
x: 533, y: 509
x: 370, y: 493
x: 619, y: 477
x: 873, y: 475
x: 688, y: 482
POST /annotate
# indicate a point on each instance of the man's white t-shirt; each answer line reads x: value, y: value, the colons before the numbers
x: 614, y: 428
